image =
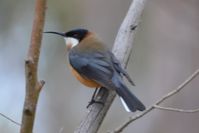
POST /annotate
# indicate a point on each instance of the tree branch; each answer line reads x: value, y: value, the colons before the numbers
x: 125, y: 36
x: 176, y: 109
x: 11, y: 120
x: 173, y: 92
x: 33, y: 86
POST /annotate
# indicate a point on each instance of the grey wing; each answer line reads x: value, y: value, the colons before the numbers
x: 95, y: 66
x: 119, y: 68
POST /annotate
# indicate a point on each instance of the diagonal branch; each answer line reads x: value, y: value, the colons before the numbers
x: 122, y: 49
x: 33, y: 86
x: 9, y: 119
x: 173, y: 92
x: 176, y: 109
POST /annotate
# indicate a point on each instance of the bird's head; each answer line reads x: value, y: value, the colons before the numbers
x: 72, y: 37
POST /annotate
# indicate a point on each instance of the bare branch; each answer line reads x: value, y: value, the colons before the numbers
x: 176, y: 109
x: 175, y: 91
x: 125, y: 36
x: 33, y: 86
x: 11, y: 120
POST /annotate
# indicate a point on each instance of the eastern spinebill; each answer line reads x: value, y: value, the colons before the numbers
x: 95, y: 66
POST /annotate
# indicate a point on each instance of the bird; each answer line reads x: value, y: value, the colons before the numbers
x: 95, y: 66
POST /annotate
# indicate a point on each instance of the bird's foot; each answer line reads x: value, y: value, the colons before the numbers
x: 94, y: 101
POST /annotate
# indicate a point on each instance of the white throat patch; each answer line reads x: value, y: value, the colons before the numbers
x: 70, y: 42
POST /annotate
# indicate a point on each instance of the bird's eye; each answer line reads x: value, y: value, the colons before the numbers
x: 75, y: 35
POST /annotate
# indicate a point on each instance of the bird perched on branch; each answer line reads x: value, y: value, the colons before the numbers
x: 95, y: 66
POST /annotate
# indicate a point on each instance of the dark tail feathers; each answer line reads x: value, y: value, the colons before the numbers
x: 129, y: 100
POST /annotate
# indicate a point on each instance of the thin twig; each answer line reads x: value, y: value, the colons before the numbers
x: 173, y: 92
x: 11, y: 120
x: 176, y: 109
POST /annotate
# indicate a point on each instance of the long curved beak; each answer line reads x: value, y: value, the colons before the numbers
x: 58, y: 33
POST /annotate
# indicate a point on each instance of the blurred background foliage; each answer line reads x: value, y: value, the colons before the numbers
x: 165, y: 53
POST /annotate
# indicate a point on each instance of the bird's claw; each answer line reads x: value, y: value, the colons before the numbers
x: 94, y: 101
